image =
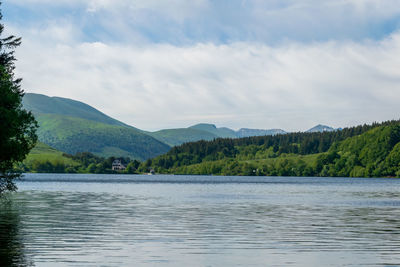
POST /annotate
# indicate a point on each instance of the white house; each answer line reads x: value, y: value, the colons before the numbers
x: 117, y: 165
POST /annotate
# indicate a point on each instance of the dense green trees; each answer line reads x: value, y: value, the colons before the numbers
x: 84, y: 162
x: 17, y: 126
x: 295, y: 143
x: 362, y: 151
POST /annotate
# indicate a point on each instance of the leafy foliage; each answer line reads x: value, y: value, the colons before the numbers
x: 362, y: 151
x: 45, y: 159
x: 17, y: 129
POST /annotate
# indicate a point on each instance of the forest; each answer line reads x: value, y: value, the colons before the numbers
x: 361, y: 151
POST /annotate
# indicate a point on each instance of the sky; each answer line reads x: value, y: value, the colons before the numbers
x: 157, y: 64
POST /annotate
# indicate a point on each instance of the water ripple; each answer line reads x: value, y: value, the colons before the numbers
x: 245, y: 224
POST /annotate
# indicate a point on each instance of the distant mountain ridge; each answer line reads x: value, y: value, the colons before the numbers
x: 320, y: 128
x: 225, y: 132
x: 245, y: 132
x: 72, y: 126
x: 208, y: 132
x: 174, y: 137
x: 211, y: 128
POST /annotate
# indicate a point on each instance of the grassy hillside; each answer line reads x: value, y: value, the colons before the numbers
x: 72, y: 126
x: 175, y: 137
x: 45, y: 159
x: 362, y: 151
x: 43, y: 154
x: 72, y: 135
x: 41, y: 104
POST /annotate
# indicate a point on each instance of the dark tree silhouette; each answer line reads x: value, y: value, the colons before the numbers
x: 17, y: 126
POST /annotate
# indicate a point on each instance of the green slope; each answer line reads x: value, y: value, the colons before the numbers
x: 41, y: 104
x: 175, y: 137
x: 374, y: 153
x: 72, y: 126
x: 43, y: 153
x: 72, y: 135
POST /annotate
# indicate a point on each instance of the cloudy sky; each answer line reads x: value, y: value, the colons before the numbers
x: 157, y: 64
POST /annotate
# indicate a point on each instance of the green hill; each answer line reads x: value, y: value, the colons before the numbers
x: 42, y: 151
x: 211, y: 128
x: 45, y: 159
x: 71, y: 126
x: 175, y: 137
x: 203, y: 131
x: 43, y: 154
x: 362, y: 151
x: 41, y: 104
x: 373, y: 154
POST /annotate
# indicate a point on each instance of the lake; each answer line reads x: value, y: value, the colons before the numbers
x: 137, y: 220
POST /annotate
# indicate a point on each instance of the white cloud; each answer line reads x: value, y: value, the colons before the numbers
x: 242, y: 84
x: 114, y: 55
x: 174, y: 8
x: 188, y: 22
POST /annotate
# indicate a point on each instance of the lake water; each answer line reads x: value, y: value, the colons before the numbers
x: 120, y: 220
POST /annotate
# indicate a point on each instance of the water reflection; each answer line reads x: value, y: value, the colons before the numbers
x: 12, y: 250
x: 161, y: 224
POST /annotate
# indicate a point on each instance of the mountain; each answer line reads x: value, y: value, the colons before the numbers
x: 224, y: 132
x: 245, y: 132
x: 42, y: 104
x: 320, y: 128
x: 72, y: 126
x: 206, y: 131
x: 179, y: 136
x: 211, y: 128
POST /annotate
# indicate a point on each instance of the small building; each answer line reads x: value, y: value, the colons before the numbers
x: 117, y: 165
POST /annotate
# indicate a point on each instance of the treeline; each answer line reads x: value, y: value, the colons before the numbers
x: 361, y: 151
x: 84, y: 162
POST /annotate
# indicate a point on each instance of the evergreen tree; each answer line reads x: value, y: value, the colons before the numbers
x: 17, y: 126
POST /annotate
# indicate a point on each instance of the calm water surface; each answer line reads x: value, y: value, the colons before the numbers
x: 112, y: 220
